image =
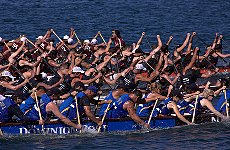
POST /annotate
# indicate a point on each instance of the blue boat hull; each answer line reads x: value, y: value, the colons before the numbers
x: 123, y: 124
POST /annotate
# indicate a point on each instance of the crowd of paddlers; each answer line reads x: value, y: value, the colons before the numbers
x: 135, y: 83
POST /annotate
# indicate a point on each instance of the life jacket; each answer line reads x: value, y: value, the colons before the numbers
x: 4, y: 105
x: 221, y: 104
x: 42, y: 102
x: 143, y: 110
x: 104, y: 106
x: 117, y: 110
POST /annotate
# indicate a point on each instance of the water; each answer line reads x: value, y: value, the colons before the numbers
x: 206, y: 136
x: 163, y: 17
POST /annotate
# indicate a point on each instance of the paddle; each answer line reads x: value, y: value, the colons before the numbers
x: 103, y: 118
x: 76, y: 36
x: 101, y: 37
x: 225, y: 97
x: 39, y: 110
x: 147, y: 63
x: 194, y: 112
x: 77, y: 111
x: 59, y: 38
x: 150, y: 117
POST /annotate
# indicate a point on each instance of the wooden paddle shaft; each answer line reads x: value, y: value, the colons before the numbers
x: 39, y: 110
x: 103, y: 118
x: 76, y: 36
x: 6, y: 45
x: 150, y: 117
x: 226, y: 101
x: 101, y: 37
x: 77, y: 111
x: 194, y: 112
x: 60, y: 39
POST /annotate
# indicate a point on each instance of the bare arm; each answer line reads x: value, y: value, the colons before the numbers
x: 169, y: 40
x: 11, y: 58
x: 53, y: 107
x: 193, y: 60
x: 139, y: 41
x: 154, y: 96
x: 190, y: 43
x: 132, y: 113
x: 184, y: 44
x: 208, y: 104
x: 90, y: 115
x: 9, y: 86
x: 176, y: 111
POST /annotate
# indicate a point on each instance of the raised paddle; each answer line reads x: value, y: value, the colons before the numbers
x: 150, y: 117
x: 147, y: 63
x: 76, y: 36
x: 59, y: 39
x: 101, y: 36
x: 226, y: 101
x: 103, y: 118
x: 77, y: 111
x: 194, y: 112
x: 39, y: 110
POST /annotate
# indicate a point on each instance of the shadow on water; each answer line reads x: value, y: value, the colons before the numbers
x: 212, y: 135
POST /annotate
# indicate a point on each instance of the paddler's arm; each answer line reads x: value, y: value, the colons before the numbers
x: 53, y: 107
x: 139, y: 41
x: 152, y: 53
x: 193, y: 60
x: 184, y: 44
x: 12, y: 87
x: 129, y: 106
x: 169, y: 40
x: 91, y: 116
x: 104, y: 102
x: 190, y: 43
x: 217, y: 92
x: 154, y: 97
x: 208, y: 104
x: 176, y: 111
x: 12, y: 56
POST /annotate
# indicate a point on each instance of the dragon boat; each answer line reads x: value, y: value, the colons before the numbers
x: 109, y: 125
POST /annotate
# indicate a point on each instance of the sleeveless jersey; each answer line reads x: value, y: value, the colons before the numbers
x: 221, y: 104
x: 4, y: 105
x: 143, y: 110
x: 42, y: 102
x: 117, y: 110
x: 104, y: 106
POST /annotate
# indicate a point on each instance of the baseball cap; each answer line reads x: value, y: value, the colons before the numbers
x: 94, y: 41
x: 140, y: 67
x: 86, y: 41
x: 78, y: 69
x: 66, y: 37
x: 93, y: 89
x: 39, y: 37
